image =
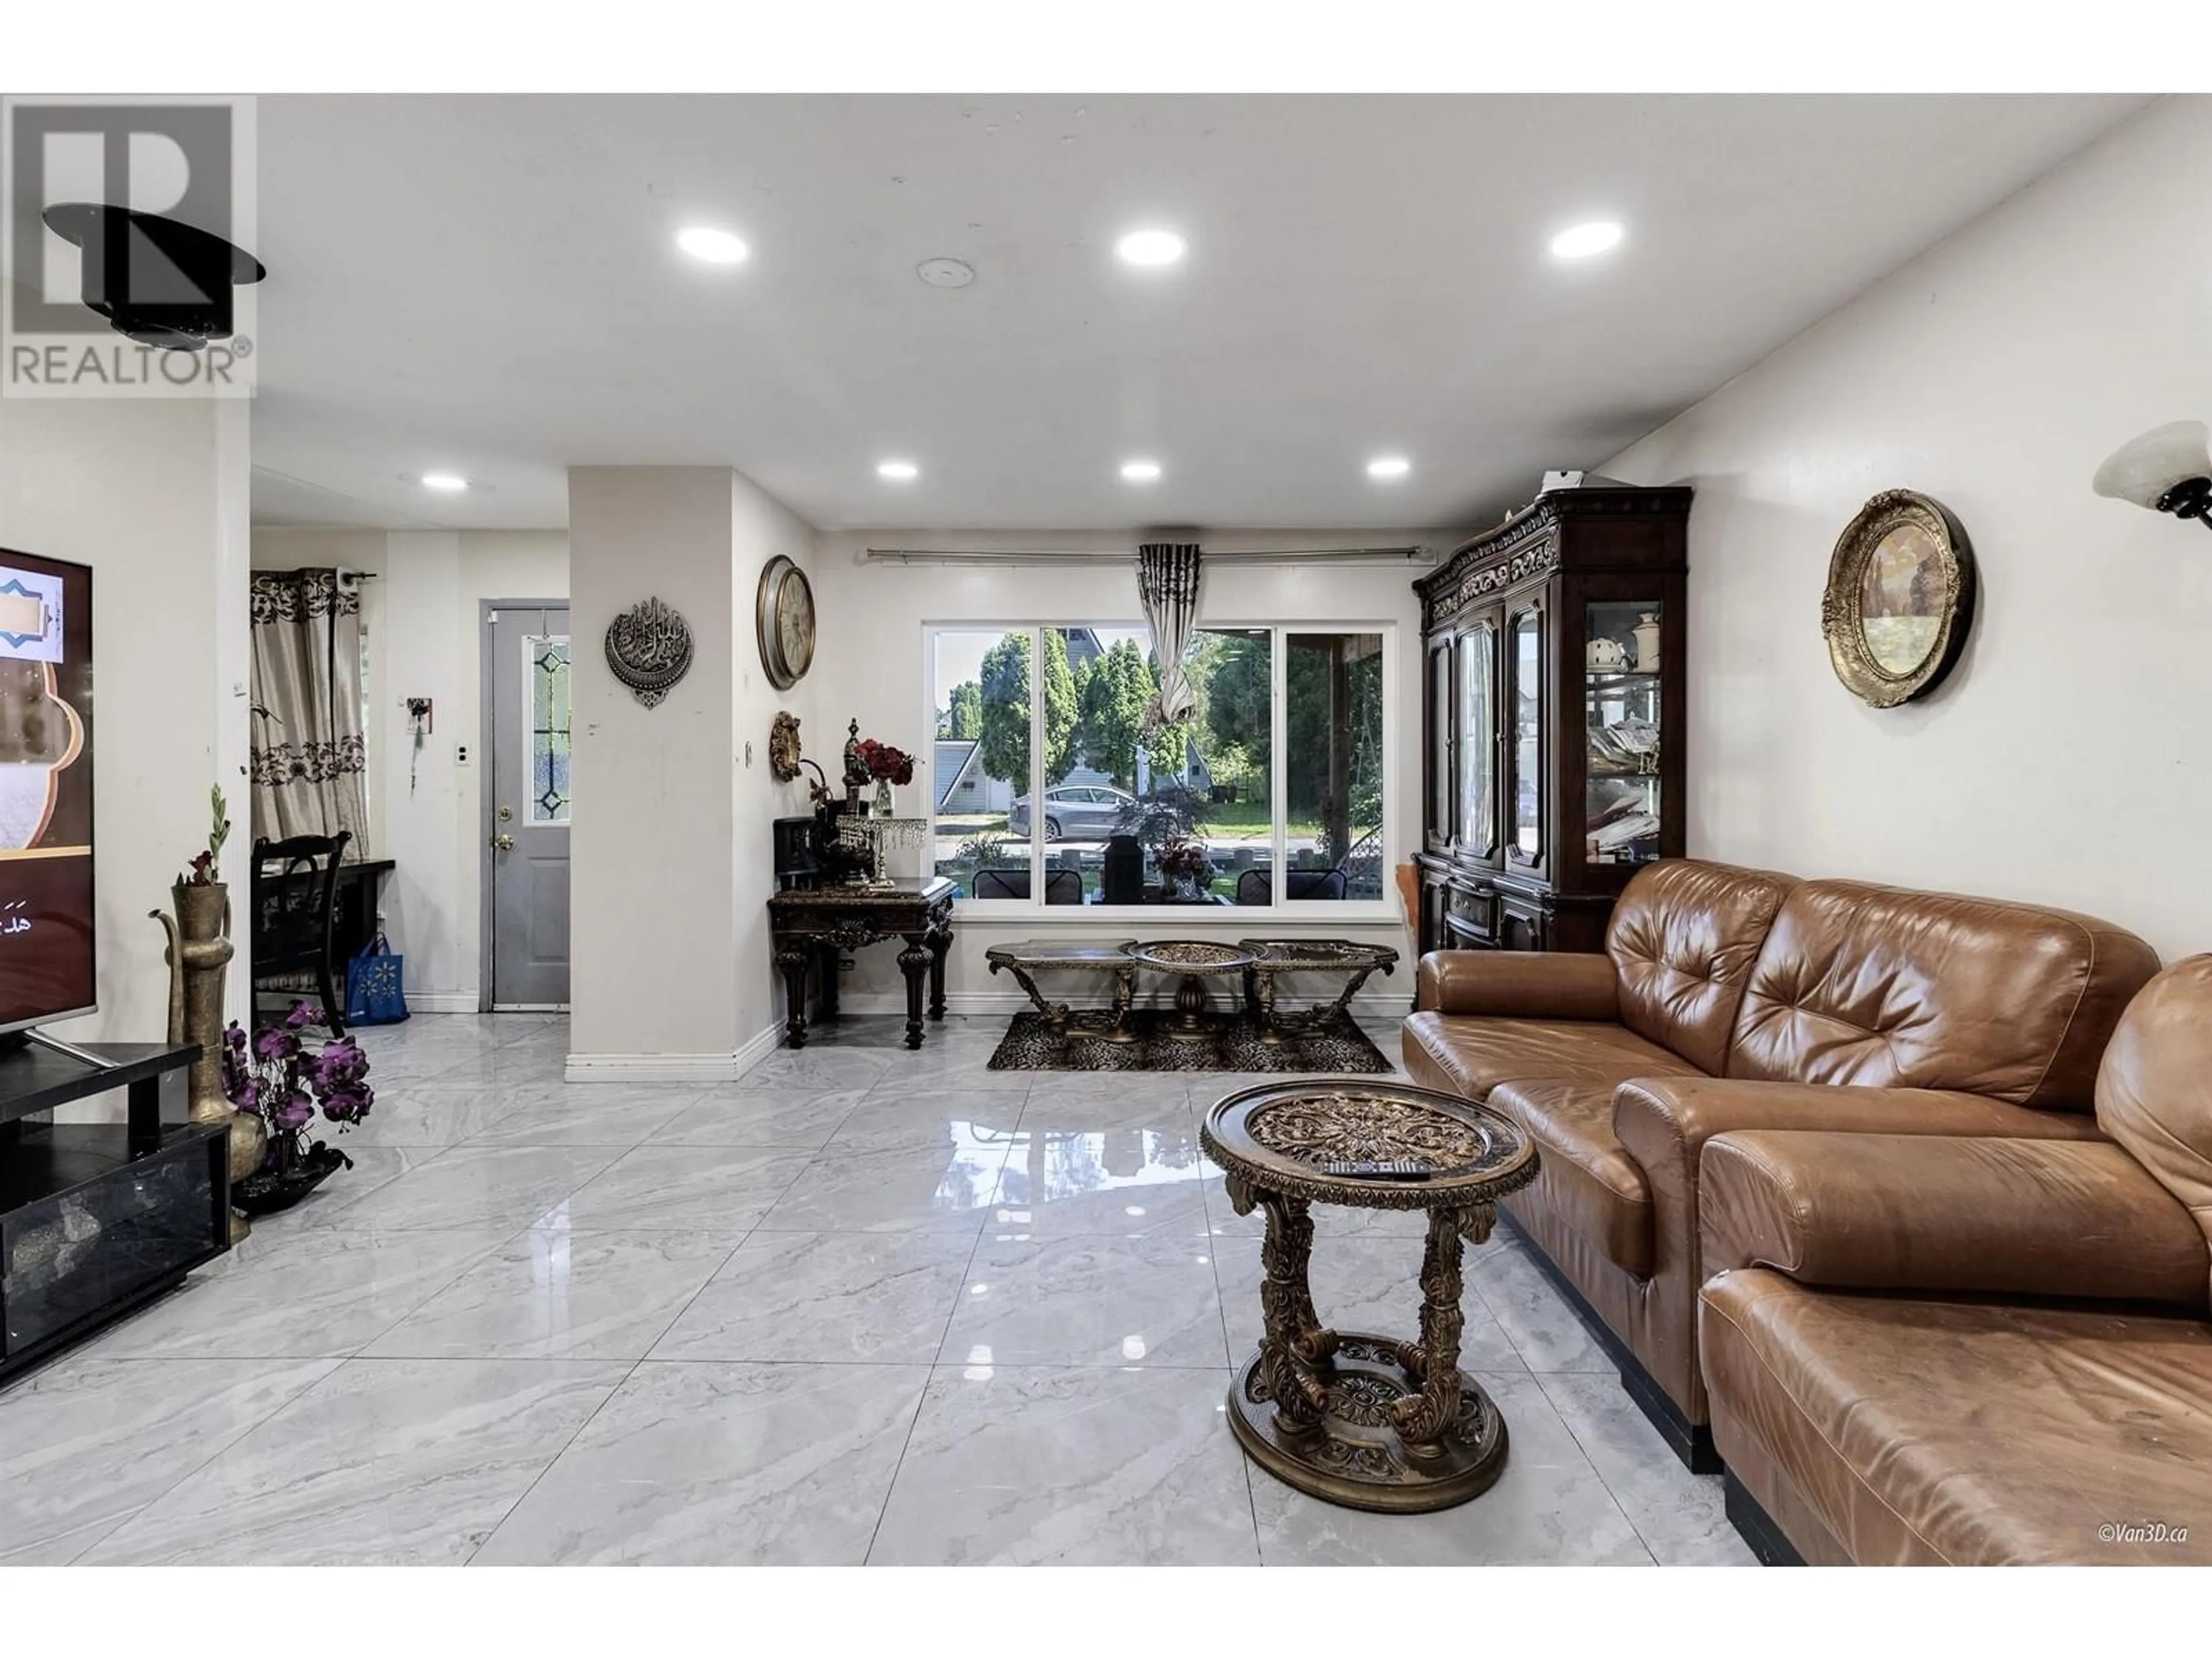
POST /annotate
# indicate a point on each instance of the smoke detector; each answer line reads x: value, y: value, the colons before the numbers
x: 945, y: 273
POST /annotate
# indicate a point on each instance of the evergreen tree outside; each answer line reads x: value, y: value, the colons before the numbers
x: 1003, y: 708
x: 963, y: 721
x: 1115, y: 693
x: 1062, y: 706
x: 1004, y: 689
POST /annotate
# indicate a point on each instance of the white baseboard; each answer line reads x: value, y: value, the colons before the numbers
x: 673, y: 1068
x: 1006, y: 1004
x: 441, y: 1002
x: 761, y: 1045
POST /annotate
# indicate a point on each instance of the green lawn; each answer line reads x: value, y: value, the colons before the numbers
x: 1254, y: 815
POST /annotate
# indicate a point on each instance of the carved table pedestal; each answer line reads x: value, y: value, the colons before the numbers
x: 1370, y: 1422
x: 819, y: 925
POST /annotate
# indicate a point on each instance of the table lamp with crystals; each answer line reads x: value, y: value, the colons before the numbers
x: 872, y: 838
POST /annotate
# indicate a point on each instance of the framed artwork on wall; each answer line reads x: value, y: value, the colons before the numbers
x: 1900, y: 600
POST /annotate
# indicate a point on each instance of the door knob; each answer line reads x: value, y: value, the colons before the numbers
x: 502, y: 843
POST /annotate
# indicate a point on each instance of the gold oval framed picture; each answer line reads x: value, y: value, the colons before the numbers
x: 1899, y: 598
x: 785, y: 622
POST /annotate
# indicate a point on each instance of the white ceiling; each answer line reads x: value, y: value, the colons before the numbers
x: 488, y: 285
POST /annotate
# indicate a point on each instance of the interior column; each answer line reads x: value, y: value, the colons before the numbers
x: 653, y: 929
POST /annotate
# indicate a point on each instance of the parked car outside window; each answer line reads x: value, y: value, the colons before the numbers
x: 1074, y: 811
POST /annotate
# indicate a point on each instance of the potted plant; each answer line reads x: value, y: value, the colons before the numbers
x: 273, y: 1076
x: 1173, y: 812
x: 887, y: 766
x: 1187, y: 868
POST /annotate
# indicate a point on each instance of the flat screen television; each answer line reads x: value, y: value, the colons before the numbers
x: 48, y: 968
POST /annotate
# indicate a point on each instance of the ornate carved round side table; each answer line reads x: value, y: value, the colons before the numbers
x: 1367, y: 1421
x: 1196, y: 960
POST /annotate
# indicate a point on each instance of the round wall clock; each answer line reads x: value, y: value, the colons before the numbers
x: 786, y: 623
x: 1900, y: 600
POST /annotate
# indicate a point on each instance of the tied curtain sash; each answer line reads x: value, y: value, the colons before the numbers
x: 1167, y: 587
x: 309, y: 756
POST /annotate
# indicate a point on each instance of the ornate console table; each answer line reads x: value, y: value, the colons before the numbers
x: 1273, y: 957
x: 1372, y: 1422
x: 819, y: 925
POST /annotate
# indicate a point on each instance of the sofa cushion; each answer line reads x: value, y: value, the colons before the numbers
x: 1470, y: 1055
x: 1584, y: 1177
x: 1966, y: 1432
x: 1874, y: 985
x: 1682, y: 940
x: 2155, y: 1090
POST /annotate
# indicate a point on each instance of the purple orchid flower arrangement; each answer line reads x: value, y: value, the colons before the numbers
x: 273, y: 1074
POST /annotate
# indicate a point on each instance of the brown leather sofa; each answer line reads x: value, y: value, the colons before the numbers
x: 1939, y: 1349
x: 1734, y: 998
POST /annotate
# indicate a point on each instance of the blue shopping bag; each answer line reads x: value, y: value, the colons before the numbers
x: 374, y: 992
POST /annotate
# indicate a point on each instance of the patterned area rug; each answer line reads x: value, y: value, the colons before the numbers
x: 1232, y: 1043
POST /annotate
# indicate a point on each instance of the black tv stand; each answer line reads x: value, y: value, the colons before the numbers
x: 97, y: 1218
x: 14, y: 1041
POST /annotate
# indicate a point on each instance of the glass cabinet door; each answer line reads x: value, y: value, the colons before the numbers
x: 1526, y: 660
x: 1624, y: 813
x: 1439, y: 807
x: 1478, y: 738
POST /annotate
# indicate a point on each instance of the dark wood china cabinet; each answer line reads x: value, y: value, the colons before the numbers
x: 1553, y: 718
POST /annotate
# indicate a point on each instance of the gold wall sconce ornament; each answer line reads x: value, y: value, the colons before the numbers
x: 1900, y: 600
x: 783, y: 756
x: 785, y: 760
x: 2167, y: 469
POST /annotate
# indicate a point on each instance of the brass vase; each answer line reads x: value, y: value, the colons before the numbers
x: 200, y: 951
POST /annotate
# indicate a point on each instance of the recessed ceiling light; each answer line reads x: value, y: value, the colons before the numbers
x: 945, y: 273
x: 444, y: 481
x: 1141, y: 471
x: 716, y: 248
x: 899, y: 472
x: 1388, y: 467
x: 1150, y: 248
x: 1581, y: 242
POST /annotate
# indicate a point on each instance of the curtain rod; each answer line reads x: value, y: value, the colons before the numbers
x: 1128, y: 556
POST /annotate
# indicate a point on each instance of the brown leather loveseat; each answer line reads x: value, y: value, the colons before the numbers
x: 1938, y: 1349
x: 1734, y: 998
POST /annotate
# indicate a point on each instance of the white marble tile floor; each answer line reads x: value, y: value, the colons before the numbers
x: 859, y: 1306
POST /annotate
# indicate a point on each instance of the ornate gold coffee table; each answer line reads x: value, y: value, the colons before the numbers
x: 1195, y: 961
x: 1365, y: 1420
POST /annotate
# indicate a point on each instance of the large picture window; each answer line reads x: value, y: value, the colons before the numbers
x: 1048, y: 789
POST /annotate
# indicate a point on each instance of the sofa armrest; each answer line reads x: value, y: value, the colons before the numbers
x: 1944, y: 1213
x: 1518, y: 984
x: 1664, y: 1123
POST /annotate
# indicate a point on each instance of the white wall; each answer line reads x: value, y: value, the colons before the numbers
x: 2065, y: 760
x: 760, y: 528
x: 142, y: 491
x: 424, y: 615
x: 871, y: 666
x: 653, y: 968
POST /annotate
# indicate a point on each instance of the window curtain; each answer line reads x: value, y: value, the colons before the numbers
x: 1167, y: 586
x: 309, y: 757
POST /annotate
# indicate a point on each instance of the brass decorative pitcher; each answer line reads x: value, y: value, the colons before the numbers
x: 199, y: 950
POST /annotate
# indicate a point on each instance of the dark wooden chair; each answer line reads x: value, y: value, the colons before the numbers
x: 1061, y: 886
x: 295, y: 884
x: 1257, y: 886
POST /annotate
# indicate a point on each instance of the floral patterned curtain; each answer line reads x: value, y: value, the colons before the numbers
x: 309, y: 757
x: 1167, y: 588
